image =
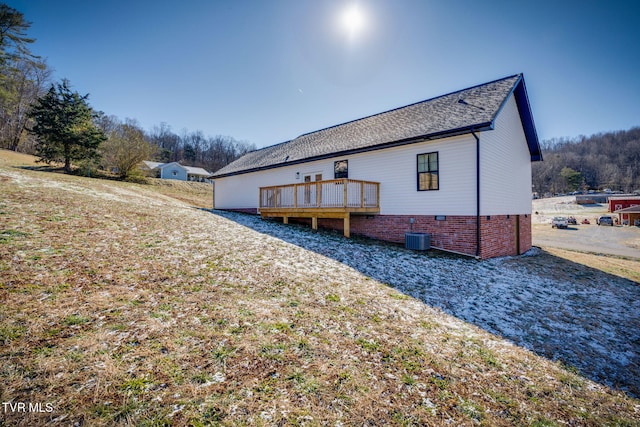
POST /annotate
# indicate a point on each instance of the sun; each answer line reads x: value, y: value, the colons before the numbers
x: 353, y: 20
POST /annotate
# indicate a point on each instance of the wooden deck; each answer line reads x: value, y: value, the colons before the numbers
x: 337, y: 198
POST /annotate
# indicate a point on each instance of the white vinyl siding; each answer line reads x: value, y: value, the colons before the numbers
x: 395, y: 170
x: 505, y: 174
x: 174, y: 172
x: 505, y: 166
x: 242, y: 191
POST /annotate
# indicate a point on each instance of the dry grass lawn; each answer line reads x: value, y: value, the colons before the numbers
x: 618, y: 266
x: 12, y: 158
x: 192, y: 193
x: 122, y: 305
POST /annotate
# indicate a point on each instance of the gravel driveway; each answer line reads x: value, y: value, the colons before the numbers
x: 608, y: 240
x: 617, y: 240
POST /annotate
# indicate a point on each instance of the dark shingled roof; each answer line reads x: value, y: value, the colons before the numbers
x: 472, y: 109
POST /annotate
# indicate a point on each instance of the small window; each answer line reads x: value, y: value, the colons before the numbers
x: 341, y: 169
x: 428, y: 172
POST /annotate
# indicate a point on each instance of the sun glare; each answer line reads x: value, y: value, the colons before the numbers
x: 353, y: 20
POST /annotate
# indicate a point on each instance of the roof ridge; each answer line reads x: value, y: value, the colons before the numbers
x: 270, y: 146
x: 404, y: 106
x: 436, y: 117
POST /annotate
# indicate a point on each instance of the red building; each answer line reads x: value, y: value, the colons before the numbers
x: 622, y: 206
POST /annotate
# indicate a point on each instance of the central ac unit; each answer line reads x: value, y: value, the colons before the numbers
x: 417, y: 241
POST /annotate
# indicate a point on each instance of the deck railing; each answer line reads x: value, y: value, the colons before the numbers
x: 336, y: 193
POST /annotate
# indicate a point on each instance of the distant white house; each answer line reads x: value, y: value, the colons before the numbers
x: 457, y: 167
x: 175, y: 170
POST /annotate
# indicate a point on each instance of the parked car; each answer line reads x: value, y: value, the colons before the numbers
x: 559, y: 222
x: 571, y: 220
x: 605, y: 220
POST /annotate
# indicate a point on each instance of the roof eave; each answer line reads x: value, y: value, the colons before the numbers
x: 172, y: 163
x: 526, y: 117
x: 480, y: 127
x: 519, y: 91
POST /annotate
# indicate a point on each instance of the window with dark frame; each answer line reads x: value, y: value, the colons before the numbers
x: 341, y: 169
x: 428, y: 172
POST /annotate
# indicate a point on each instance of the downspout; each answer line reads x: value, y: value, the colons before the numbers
x: 213, y: 194
x: 477, y: 193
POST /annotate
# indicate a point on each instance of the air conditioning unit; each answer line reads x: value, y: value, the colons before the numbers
x: 417, y: 241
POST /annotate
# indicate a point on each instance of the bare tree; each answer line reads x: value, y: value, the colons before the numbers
x: 24, y: 83
x: 23, y: 76
x: 125, y: 148
x: 194, y: 149
x: 169, y: 145
x: 605, y: 160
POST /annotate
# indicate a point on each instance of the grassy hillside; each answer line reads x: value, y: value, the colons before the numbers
x: 193, y: 193
x: 122, y: 305
x: 12, y: 158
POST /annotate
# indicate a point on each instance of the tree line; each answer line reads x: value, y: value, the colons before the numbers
x: 24, y: 77
x: 608, y: 160
x: 49, y: 119
x: 193, y: 148
x: 128, y: 144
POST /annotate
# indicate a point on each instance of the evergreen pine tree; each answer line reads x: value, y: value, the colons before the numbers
x: 13, y: 39
x: 64, y: 127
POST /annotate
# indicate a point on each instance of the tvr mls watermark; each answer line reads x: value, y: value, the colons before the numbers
x: 26, y: 407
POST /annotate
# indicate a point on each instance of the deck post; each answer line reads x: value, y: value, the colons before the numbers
x: 346, y: 189
x: 347, y: 230
x: 275, y: 201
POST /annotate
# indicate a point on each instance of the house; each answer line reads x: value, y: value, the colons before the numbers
x: 150, y: 168
x: 175, y: 170
x: 148, y: 165
x: 457, y: 167
x: 627, y: 207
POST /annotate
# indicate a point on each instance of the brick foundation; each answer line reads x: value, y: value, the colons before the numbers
x: 499, y: 235
x: 450, y: 233
x: 453, y: 233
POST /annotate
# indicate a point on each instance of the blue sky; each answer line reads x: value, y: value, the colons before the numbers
x: 266, y: 71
